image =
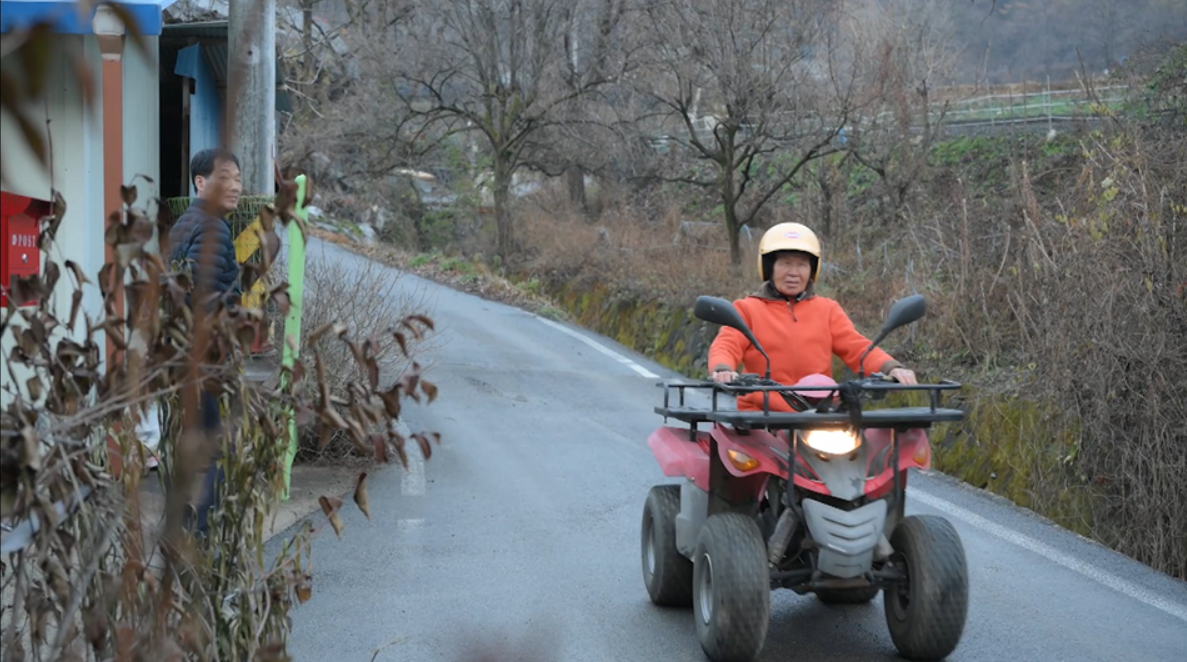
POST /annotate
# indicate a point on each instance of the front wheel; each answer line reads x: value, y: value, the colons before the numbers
x: 666, y: 572
x: 926, y: 613
x: 731, y: 589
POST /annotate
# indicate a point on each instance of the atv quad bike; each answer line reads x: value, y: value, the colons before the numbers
x: 811, y: 500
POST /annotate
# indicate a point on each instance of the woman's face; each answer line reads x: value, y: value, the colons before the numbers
x: 792, y: 273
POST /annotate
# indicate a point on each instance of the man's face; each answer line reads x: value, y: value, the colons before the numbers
x: 223, y: 187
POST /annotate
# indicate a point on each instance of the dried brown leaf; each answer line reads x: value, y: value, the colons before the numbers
x: 128, y: 194
x: 283, y: 303
x: 80, y: 277
x: 270, y: 245
x: 330, y: 506
x: 34, y: 386
x: 399, y: 442
x: 425, y: 448
x: 30, y: 449
x: 421, y: 319
x: 355, y: 350
x: 322, y: 330
x: 360, y: 495
x: 372, y: 373
x: 326, y: 435
x: 391, y: 401
x: 380, y: 445
x: 429, y: 388
x: 51, y: 274
x: 96, y: 626
x: 75, y: 306
x: 304, y: 589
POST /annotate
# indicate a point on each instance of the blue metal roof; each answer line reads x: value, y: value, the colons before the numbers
x: 66, y: 17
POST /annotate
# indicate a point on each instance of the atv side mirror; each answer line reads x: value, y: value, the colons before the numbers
x: 904, y: 311
x: 720, y: 311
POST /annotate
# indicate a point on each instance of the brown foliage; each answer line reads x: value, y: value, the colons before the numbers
x: 1087, y: 290
x: 97, y: 578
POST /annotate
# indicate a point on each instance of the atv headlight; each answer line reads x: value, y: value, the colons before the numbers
x: 832, y: 442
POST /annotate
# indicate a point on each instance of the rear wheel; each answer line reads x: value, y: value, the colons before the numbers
x: 731, y: 589
x: 926, y: 613
x: 847, y: 596
x: 666, y: 572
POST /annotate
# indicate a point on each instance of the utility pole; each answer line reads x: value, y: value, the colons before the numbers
x: 251, y: 91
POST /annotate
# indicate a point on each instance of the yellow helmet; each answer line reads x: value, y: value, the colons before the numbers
x: 787, y: 237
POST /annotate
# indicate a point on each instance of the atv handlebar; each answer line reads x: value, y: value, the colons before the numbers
x: 750, y: 383
x: 747, y: 382
x: 831, y: 411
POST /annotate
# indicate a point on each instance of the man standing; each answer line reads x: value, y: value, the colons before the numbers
x: 201, y: 243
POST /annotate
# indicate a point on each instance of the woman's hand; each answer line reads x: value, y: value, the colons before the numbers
x: 903, y: 376
x: 724, y: 376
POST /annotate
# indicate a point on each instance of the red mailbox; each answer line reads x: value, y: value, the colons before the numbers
x: 20, y: 216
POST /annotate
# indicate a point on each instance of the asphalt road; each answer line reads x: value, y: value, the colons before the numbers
x: 523, y: 530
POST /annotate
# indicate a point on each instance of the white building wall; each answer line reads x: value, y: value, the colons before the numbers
x: 142, y: 122
x: 76, y: 153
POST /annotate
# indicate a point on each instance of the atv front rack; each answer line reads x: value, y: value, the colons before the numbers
x: 851, y: 413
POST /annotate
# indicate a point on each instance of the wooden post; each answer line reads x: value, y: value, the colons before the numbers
x: 109, y: 31
x: 251, y: 97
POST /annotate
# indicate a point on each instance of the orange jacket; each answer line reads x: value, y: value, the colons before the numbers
x: 800, y: 336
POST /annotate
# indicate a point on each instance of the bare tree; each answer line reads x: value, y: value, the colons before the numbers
x: 748, y: 90
x: 596, y: 49
x: 347, y: 125
x: 499, y: 70
x: 1108, y: 26
x: 901, y: 49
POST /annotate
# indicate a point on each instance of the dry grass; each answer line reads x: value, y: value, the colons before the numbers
x: 645, y: 256
x: 471, y: 276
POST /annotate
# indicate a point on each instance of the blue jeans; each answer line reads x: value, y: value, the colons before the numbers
x: 211, y: 422
x: 215, y: 475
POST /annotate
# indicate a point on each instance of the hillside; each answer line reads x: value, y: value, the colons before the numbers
x: 1005, y: 41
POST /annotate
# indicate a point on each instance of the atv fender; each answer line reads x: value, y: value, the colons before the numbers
x: 680, y: 457
x: 914, y: 453
x: 768, y: 449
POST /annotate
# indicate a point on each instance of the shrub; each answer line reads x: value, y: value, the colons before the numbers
x: 367, y: 301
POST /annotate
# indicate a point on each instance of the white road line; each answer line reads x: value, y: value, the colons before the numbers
x: 412, y: 481
x: 1051, y: 554
x: 406, y: 525
x: 605, y: 350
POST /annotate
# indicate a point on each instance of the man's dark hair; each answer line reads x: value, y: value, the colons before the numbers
x: 203, y: 162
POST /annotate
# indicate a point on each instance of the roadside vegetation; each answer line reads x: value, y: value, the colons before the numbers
x: 90, y: 570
